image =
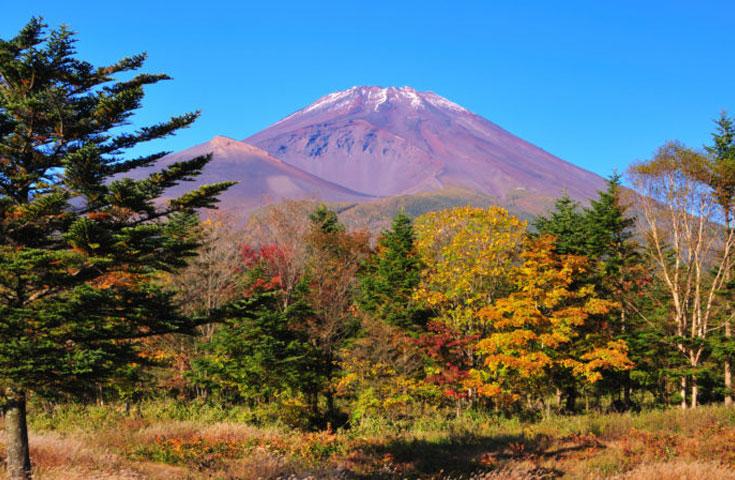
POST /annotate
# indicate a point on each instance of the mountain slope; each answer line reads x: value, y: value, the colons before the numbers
x: 261, y: 178
x: 391, y: 141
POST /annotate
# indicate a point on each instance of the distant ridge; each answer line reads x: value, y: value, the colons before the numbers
x: 261, y: 177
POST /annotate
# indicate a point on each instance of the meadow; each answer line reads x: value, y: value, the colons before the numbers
x: 170, y: 440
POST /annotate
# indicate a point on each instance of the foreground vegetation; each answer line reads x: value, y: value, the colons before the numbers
x: 174, y: 441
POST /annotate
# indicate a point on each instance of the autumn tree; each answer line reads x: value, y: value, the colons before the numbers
x: 210, y: 280
x: 81, y: 247
x: 212, y: 277
x: 690, y: 248
x: 284, y: 226
x: 334, y: 258
x: 383, y: 373
x: 468, y: 255
x: 548, y: 331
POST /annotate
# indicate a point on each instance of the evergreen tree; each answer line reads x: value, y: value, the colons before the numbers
x: 617, y: 270
x: 722, y: 181
x: 722, y: 159
x: 608, y: 228
x: 390, y: 277
x: 81, y: 247
x: 326, y: 220
x: 261, y: 353
x: 567, y: 224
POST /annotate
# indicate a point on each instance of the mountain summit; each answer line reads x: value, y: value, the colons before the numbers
x: 396, y: 141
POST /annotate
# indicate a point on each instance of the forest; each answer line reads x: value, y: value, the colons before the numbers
x: 118, y: 305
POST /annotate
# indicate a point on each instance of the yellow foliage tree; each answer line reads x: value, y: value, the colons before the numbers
x: 469, y: 254
x: 550, y: 324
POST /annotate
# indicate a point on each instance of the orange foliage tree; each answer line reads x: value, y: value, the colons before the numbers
x: 550, y: 330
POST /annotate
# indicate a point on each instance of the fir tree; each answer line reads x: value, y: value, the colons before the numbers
x: 722, y: 181
x: 567, y: 224
x: 609, y: 236
x: 616, y: 268
x: 326, y: 220
x: 81, y: 246
x: 391, y: 276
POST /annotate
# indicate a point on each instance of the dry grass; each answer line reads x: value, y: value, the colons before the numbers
x: 655, y: 445
x: 679, y: 471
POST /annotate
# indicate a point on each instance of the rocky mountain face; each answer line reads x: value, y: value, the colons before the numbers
x: 397, y: 141
x: 387, y: 147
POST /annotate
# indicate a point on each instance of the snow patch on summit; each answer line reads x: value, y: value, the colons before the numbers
x: 441, y: 102
x: 373, y: 98
x: 330, y: 99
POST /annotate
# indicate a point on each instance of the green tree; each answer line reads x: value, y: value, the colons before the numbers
x: 391, y: 276
x: 326, y: 220
x: 260, y: 354
x: 81, y: 247
x: 617, y: 270
x: 722, y: 181
x: 566, y: 222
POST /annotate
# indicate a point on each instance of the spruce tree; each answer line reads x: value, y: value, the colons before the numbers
x: 616, y: 260
x: 81, y: 245
x: 609, y: 230
x: 567, y: 224
x: 326, y: 220
x: 722, y: 182
x: 390, y: 277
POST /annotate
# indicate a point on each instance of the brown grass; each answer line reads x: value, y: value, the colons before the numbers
x: 679, y: 471
x: 656, y: 445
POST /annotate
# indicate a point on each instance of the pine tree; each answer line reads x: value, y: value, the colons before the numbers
x: 81, y: 246
x: 391, y: 276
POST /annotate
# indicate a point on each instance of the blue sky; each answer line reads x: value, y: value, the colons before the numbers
x: 598, y: 83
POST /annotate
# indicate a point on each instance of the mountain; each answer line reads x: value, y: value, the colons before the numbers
x: 261, y: 177
x: 398, y: 141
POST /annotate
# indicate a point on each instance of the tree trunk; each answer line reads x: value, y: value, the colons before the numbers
x: 728, y: 367
x: 683, y: 393
x: 16, y: 437
x: 695, y: 391
x: 571, y: 400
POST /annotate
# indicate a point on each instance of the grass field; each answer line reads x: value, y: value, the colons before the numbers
x: 171, y: 442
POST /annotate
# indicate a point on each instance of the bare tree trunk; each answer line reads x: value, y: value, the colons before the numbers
x: 683, y: 393
x: 695, y: 391
x: 728, y: 367
x: 16, y: 437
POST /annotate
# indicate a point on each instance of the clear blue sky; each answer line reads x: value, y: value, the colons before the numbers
x: 598, y: 83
